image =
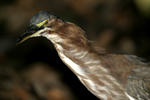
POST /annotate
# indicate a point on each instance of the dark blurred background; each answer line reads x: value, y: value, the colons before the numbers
x: 32, y: 70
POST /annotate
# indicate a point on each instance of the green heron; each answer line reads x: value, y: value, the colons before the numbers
x: 107, y: 76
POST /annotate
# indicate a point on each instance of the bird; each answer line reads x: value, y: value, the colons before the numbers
x: 107, y: 76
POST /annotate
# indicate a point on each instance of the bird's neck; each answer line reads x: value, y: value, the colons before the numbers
x: 78, y: 59
x: 75, y: 50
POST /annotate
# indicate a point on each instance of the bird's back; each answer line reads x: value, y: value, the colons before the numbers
x: 131, y: 71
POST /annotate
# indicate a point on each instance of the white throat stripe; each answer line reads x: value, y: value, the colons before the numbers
x: 69, y: 62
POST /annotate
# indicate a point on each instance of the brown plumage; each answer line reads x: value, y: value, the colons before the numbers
x: 107, y: 76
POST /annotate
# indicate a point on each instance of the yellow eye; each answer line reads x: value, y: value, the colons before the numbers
x: 46, y: 22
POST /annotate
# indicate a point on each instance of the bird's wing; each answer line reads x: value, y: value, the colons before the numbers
x: 138, y: 84
x: 132, y: 72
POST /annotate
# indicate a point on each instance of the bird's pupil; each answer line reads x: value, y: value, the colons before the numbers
x: 46, y: 22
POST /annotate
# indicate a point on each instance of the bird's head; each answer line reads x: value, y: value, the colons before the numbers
x: 41, y: 23
x: 47, y: 24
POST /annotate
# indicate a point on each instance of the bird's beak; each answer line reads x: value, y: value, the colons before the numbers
x: 33, y: 30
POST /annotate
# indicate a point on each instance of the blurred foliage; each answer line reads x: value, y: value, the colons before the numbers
x: 144, y: 7
x: 33, y: 70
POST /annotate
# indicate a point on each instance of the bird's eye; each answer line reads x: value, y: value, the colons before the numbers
x: 46, y: 22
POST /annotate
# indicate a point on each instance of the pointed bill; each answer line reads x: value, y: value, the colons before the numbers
x: 31, y: 31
